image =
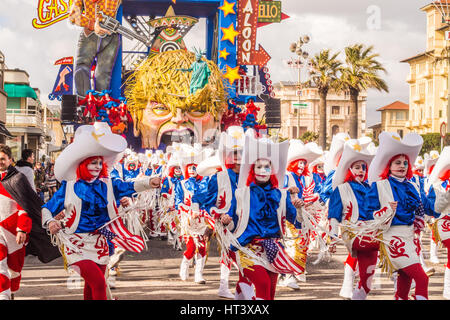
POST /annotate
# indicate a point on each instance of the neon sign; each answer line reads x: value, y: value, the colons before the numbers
x: 51, y: 11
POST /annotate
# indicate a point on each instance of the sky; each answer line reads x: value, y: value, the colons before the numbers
x: 395, y: 28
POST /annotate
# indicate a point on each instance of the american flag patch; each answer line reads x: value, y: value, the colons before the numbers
x: 279, y: 259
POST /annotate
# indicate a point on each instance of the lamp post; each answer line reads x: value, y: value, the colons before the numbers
x: 299, y: 63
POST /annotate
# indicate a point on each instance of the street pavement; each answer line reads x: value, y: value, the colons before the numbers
x: 153, y: 275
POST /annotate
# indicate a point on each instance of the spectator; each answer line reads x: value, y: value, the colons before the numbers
x: 25, y: 165
x: 39, y: 180
x: 50, y: 180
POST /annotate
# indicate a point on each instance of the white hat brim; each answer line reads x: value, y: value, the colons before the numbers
x: 441, y: 166
x: 349, y: 156
x: 255, y: 149
x: 89, y: 141
x: 297, y: 150
x: 391, y: 145
x: 209, y: 166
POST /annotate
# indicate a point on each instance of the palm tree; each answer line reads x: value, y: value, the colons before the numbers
x: 324, y: 76
x: 360, y: 73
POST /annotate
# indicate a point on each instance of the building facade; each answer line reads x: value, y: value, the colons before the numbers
x: 300, y: 111
x: 24, y: 114
x: 394, y: 117
x: 4, y: 133
x: 428, y: 78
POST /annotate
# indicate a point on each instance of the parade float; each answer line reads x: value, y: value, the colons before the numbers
x: 163, y: 90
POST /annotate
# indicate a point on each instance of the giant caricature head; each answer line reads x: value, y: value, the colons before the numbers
x: 162, y: 108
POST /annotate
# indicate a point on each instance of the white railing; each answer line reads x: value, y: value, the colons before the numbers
x: 25, y: 119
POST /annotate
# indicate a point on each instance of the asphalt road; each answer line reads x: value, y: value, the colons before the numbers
x: 153, y: 275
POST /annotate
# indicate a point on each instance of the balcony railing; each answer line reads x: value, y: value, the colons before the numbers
x: 24, y: 118
x: 411, y: 78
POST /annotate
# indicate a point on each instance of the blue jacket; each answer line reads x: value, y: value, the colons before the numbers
x: 263, y: 218
x: 408, y: 200
x: 335, y: 208
x: 94, y: 212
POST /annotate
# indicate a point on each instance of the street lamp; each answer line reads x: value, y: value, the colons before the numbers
x: 299, y: 63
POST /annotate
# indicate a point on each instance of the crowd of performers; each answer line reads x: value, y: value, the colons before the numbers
x: 267, y: 204
x: 101, y: 107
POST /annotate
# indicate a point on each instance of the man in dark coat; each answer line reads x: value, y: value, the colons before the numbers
x: 20, y: 222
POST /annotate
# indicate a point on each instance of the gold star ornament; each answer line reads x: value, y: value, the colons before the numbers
x: 232, y: 74
x: 224, y: 54
x: 227, y: 8
x: 229, y: 33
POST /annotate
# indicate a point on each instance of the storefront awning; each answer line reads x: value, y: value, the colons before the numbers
x: 4, y: 131
x: 20, y: 91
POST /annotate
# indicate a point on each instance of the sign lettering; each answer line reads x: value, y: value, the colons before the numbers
x: 51, y: 11
x: 269, y: 11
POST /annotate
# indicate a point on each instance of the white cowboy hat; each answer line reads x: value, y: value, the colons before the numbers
x: 441, y: 166
x: 209, y: 166
x: 174, y: 160
x: 319, y: 160
x: 353, y: 151
x: 89, y: 141
x: 391, y: 144
x: 430, y: 160
x: 231, y: 140
x: 336, y: 148
x: 191, y: 154
x: 420, y: 163
x: 131, y: 158
x: 298, y: 150
x: 263, y: 148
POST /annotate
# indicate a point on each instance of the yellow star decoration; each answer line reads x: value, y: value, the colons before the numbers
x: 229, y: 33
x: 236, y: 135
x: 346, y: 138
x: 224, y: 54
x: 232, y: 74
x: 357, y: 147
x: 227, y: 8
x: 396, y: 138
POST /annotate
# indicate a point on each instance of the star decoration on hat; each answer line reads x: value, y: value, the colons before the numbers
x: 346, y: 138
x: 224, y: 54
x: 236, y: 135
x: 396, y: 138
x: 227, y: 8
x: 357, y: 147
x: 232, y: 74
x: 229, y: 34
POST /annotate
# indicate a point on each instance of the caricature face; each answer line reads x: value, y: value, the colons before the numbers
x: 359, y: 169
x: 319, y: 168
x: 177, y: 171
x: 95, y: 167
x: 192, y: 170
x: 132, y: 166
x: 161, y: 124
x: 399, y: 167
x: 301, y: 166
x: 163, y: 109
x: 263, y: 170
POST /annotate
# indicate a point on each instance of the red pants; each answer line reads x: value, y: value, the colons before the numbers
x: 366, y: 253
x: 10, y: 268
x: 94, y: 279
x: 406, y: 275
x: 265, y: 282
x: 446, y: 244
x: 191, y: 248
